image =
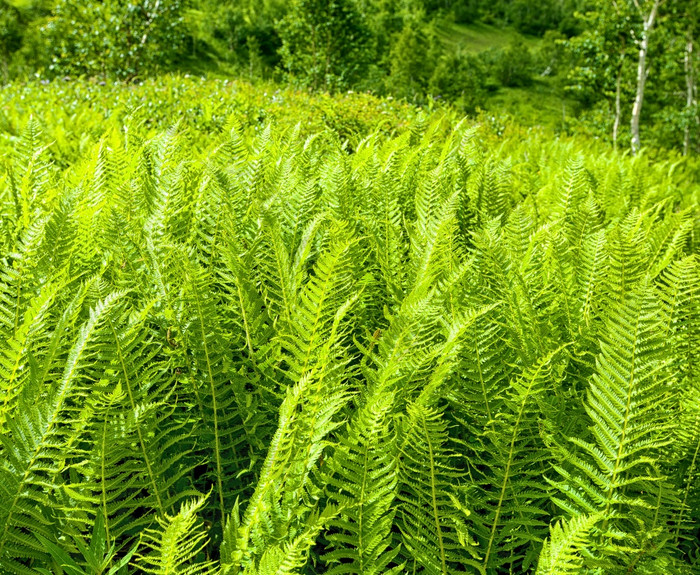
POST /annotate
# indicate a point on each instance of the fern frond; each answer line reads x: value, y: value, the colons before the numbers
x: 176, y: 548
x: 362, y: 478
x: 616, y: 474
x: 431, y: 517
x: 37, y: 446
x: 561, y: 552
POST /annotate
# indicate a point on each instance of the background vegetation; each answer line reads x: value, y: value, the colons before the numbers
x: 578, y: 59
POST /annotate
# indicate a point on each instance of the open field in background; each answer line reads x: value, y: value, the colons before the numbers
x: 479, y: 37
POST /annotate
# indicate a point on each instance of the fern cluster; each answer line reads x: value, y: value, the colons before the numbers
x: 438, y: 354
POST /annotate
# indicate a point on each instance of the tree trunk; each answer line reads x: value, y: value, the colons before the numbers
x: 618, y: 105
x: 690, y: 91
x: 642, y: 73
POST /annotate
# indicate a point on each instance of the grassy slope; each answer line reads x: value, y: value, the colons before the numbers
x: 478, y: 37
x: 541, y: 103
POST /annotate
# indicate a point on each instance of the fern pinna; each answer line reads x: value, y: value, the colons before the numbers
x: 256, y: 352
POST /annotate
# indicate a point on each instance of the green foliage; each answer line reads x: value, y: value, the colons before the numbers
x: 120, y: 39
x: 326, y: 44
x: 375, y: 342
x: 561, y: 551
x: 412, y: 59
x: 513, y: 66
x: 462, y: 79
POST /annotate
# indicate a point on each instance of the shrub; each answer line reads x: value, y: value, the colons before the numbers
x: 113, y: 38
x: 460, y: 78
x: 326, y: 44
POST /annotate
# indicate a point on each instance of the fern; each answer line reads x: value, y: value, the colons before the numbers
x: 617, y: 474
x: 362, y: 474
x: 432, y: 348
x: 174, y: 548
x: 561, y: 552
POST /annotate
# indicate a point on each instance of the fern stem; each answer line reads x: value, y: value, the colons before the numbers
x: 132, y: 403
x: 433, y: 491
x: 215, y: 409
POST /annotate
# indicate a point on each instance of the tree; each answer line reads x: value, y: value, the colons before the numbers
x: 10, y: 36
x: 614, y: 31
x: 600, y: 55
x: 460, y: 78
x: 114, y: 38
x: 692, y: 18
x: 412, y: 58
x: 325, y: 43
x: 647, y: 11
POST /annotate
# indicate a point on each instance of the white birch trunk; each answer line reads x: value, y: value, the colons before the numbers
x: 642, y: 72
x: 618, y: 105
x: 690, y: 91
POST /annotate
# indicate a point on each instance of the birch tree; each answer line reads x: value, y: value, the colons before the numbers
x: 648, y: 12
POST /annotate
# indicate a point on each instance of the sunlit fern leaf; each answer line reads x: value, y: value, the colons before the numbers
x: 588, y: 220
x: 289, y: 558
x: 489, y: 190
x: 37, y: 446
x: 361, y: 478
x: 561, y: 550
x: 573, y: 191
x: 18, y: 277
x: 208, y: 342
x: 590, y: 279
x: 332, y: 284
x: 386, y: 225
x: 500, y: 281
x: 166, y: 189
x: 667, y: 240
x: 251, y: 331
x: 30, y: 173
x: 679, y: 291
x: 285, y: 494
x: 616, y: 473
x: 483, y: 378
x: 176, y: 548
x: 434, y: 250
x: 509, y: 504
x: 431, y: 518
x: 135, y: 441
x: 626, y: 257
x: 243, y: 536
x: 27, y: 339
x: 406, y: 350
x: 282, y: 269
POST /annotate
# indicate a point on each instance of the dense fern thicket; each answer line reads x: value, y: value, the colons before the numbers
x: 256, y: 351
x: 74, y: 115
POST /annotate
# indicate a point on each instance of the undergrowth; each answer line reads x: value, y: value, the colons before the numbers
x: 260, y: 350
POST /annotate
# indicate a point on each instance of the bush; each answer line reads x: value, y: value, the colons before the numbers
x: 412, y: 59
x: 113, y: 38
x: 10, y: 37
x: 326, y: 44
x: 460, y: 78
x: 513, y: 66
